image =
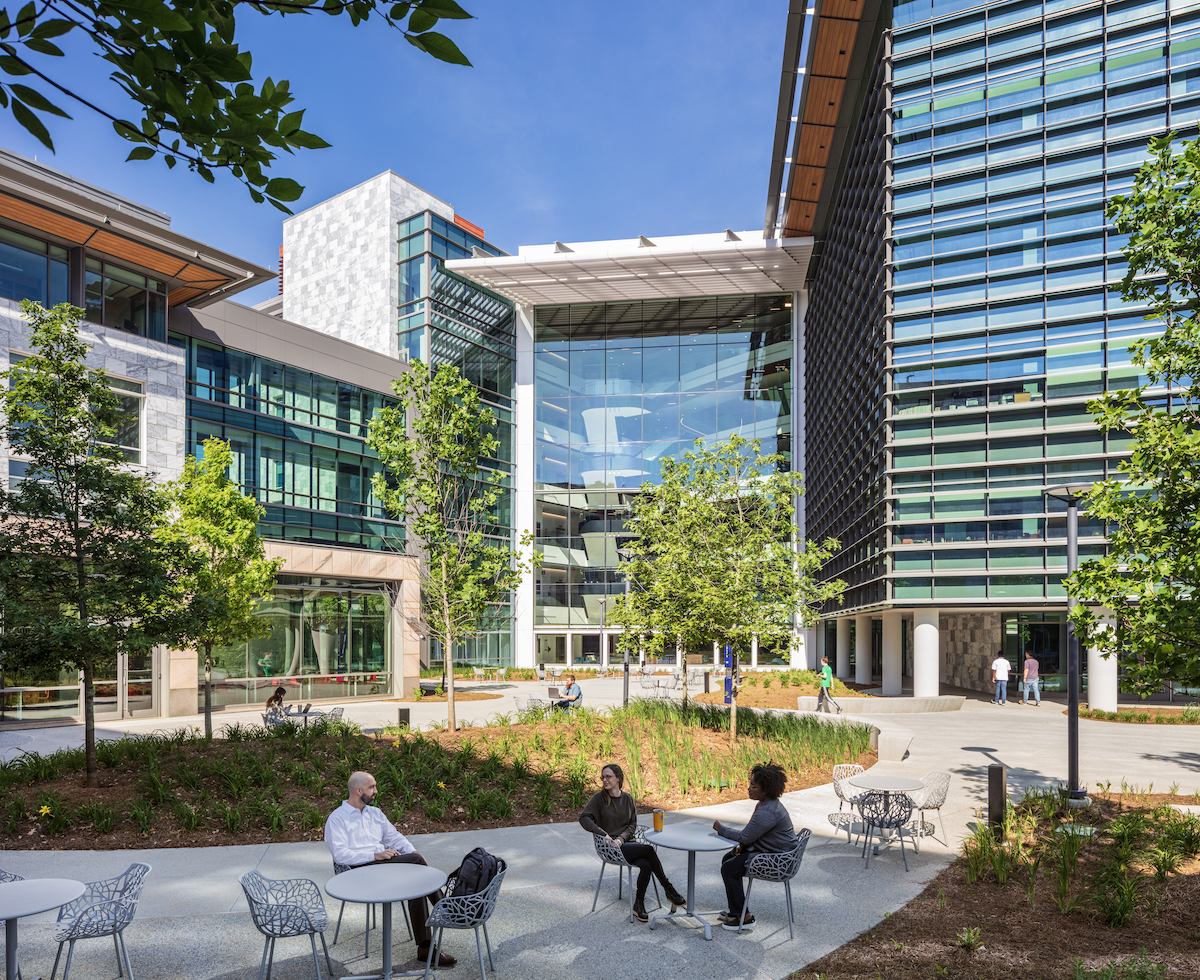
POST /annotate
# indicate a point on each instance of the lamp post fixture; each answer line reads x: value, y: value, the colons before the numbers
x: 626, y: 553
x: 1071, y: 494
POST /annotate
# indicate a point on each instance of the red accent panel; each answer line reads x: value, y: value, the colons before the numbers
x: 473, y: 229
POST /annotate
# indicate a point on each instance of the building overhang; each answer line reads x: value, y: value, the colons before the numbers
x: 55, y: 205
x: 674, y: 267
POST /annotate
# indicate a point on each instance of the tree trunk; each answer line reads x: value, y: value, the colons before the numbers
x: 89, y: 726
x: 681, y: 663
x: 448, y: 664
x: 208, y: 690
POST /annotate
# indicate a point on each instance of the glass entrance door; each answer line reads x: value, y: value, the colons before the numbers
x: 125, y: 686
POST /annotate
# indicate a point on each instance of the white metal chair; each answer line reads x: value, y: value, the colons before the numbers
x: 466, y: 912
x: 282, y: 909
x: 931, y: 797
x: 845, y: 794
x: 372, y: 915
x: 104, y: 909
x: 479, y: 676
x: 501, y: 674
x: 274, y: 717
x: 883, y: 811
x: 335, y: 714
x: 6, y: 876
x: 782, y: 866
x: 608, y: 854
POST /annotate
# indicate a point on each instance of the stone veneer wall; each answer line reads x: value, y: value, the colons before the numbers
x: 969, y: 641
x: 159, y: 368
x: 340, y: 260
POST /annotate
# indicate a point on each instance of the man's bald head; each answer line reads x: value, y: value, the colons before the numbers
x: 360, y: 789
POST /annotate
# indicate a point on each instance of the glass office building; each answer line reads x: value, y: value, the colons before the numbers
x: 618, y: 387
x: 1008, y: 128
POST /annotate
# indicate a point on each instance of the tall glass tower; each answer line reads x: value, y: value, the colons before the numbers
x: 995, y: 133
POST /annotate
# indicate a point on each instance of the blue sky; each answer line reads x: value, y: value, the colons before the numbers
x: 579, y: 120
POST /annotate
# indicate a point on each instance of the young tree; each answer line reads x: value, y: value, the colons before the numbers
x: 231, y: 576
x: 714, y: 554
x: 181, y: 66
x: 1151, y: 575
x: 434, y: 481
x: 82, y: 574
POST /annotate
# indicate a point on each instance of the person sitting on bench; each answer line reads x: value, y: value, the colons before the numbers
x: 572, y: 696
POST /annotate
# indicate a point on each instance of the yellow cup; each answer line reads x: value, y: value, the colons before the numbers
x: 658, y: 819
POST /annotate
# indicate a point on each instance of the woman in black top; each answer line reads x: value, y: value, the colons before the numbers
x: 612, y: 814
x: 276, y: 699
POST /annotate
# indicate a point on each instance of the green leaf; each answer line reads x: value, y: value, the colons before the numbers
x: 399, y: 11
x: 35, y: 99
x: 42, y: 46
x: 12, y: 66
x: 307, y: 141
x: 140, y: 153
x: 31, y: 122
x: 164, y: 18
x: 446, y: 8
x: 53, y: 28
x: 421, y: 20
x: 442, y: 48
x: 284, y: 189
x: 290, y: 123
x: 128, y: 131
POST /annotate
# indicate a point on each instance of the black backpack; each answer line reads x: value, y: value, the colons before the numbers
x: 475, y: 873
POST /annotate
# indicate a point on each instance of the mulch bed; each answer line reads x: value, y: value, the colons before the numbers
x: 1020, y: 940
x: 458, y: 696
x: 1145, y: 716
x: 774, y: 696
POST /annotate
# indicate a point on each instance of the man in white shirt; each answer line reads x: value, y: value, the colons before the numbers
x: 358, y: 833
x: 1000, y: 669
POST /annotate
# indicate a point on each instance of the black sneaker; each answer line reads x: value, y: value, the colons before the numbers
x: 676, y: 900
x: 639, y: 911
x: 731, y: 923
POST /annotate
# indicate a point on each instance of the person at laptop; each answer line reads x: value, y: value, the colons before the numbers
x: 572, y: 695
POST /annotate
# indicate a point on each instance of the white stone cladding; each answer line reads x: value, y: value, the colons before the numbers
x: 159, y: 367
x: 340, y: 258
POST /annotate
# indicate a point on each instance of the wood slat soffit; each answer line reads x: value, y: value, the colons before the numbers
x: 833, y: 38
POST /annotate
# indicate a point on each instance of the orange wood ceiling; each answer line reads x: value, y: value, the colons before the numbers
x: 201, y: 279
x: 833, y: 35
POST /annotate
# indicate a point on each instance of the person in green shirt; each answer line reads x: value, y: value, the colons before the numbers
x: 826, y: 685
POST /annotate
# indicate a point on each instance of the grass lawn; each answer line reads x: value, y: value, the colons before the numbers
x: 255, y: 785
x: 779, y: 689
x: 1048, y: 905
x: 1146, y: 716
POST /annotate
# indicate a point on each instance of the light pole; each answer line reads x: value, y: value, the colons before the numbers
x: 626, y: 553
x: 1071, y: 494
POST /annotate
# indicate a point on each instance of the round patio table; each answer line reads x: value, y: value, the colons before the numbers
x: 21, y: 898
x: 887, y: 785
x: 690, y: 838
x: 383, y: 884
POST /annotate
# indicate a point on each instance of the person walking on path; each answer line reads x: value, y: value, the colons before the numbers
x: 769, y: 830
x: 612, y: 814
x: 823, y: 696
x: 1000, y: 671
x: 358, y: 833
x: 1029, y: 679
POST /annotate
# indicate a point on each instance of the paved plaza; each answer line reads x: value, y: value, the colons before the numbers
x: 192, y: 923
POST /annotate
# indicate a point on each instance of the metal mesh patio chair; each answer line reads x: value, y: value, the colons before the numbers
x: 466, y: 912
x: 274, y: 716
x: 845, y: 794
x: 501, y: 674
x: 931, y: 797
x: 372, y: 915
x: 104, y: 909
x: 335, y: 714
x: 6, y: 876
x: 648, y: 682
x: 781, y: 866
x: 608, y: 854
x: 282, y: 909
x: 881, y: 811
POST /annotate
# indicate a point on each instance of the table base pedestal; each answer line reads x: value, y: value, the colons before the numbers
x: 388, y: 973
x: 689, y: 912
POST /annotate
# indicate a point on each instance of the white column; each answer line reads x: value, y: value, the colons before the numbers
x: 843, y: 647
x: 862, y: 650
x: 926, y: 681
x: 524, y: 647
x: 892, y: 625
x: 754, y: 651
x: 1102, y: 682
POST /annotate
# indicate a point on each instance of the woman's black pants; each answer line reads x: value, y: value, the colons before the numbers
x: 645, y: 859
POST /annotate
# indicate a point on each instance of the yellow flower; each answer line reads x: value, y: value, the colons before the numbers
x: 44, y: 811
x: 395, y: 745
x: 440, y: 786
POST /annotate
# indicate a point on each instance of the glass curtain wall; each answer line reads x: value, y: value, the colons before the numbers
x: 618, y: 387
x: 326, y: 640
x: 298, y: 441
x: 446, y: 319
x: 1013, y: 125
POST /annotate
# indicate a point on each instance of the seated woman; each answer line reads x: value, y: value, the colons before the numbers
x: 276, y: 699
x: 770, y: 830
x: 612, y: 814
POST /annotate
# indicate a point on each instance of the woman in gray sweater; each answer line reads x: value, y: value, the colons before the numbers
x: 611, y: 813
x: 770, y: 829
